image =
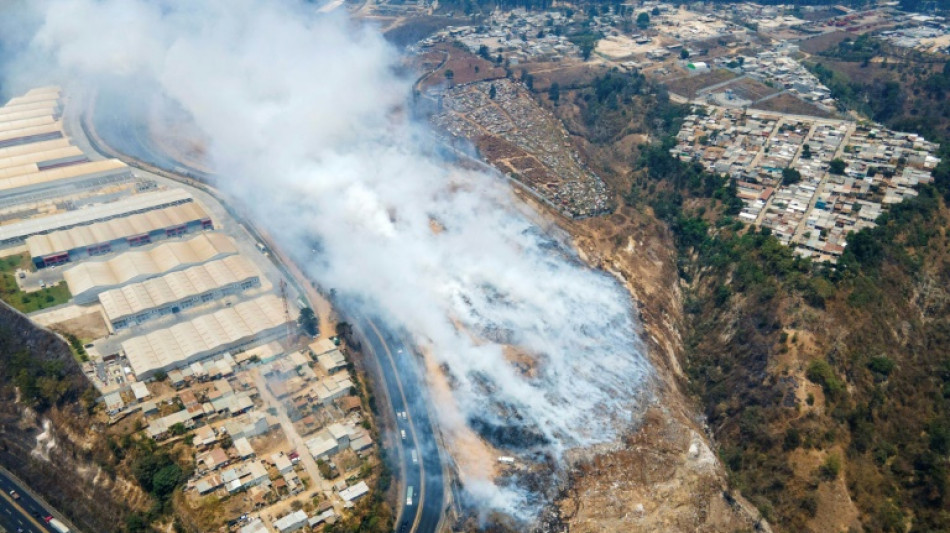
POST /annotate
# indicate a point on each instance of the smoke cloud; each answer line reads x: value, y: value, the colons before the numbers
x: 305, y: 116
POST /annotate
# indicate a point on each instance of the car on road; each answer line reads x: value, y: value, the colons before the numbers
x: 401, y: 414
x: 15, y: 495
x: 403, y: 433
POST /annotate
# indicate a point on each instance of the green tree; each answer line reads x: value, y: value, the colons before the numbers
x: 166, y: 480
x: 492, y: 92
x: 790, y: 176
x: 554, y: 93
x: 643, y: 20
x: 684, y: 54
x: 806, y: 151
x: 484, y: 53
x: 308, y: 321
x: 837, y: 166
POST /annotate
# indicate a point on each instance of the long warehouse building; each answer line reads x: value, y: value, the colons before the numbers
x: 90, y: 278
x: 100, y: 238
x: 174, y: 292
x: 243, y: 325
x: 18, y: 232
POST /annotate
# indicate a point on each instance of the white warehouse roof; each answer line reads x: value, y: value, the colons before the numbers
x: 114, y: 229
x: 40, y: 94
x: 95, y: 213
x: 17, y: 181
x: 205, y: 335
x: 88, y: 278
x: 175, y: 286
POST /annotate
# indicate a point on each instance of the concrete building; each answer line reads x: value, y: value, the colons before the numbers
x: 171, y: 293
x: 232, y: 328
x: 294, y: 521
x: 88, y: 279
x: 351, y: 494
x: 100, y: 238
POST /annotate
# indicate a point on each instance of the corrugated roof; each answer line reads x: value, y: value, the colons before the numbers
x: 94, y: 213
x: 176, y: 286
x: 139, y: 265
x: 40, y: 94
x: 35, y: 130
x: 21, y: 123
x: 117, y: 228
x: 21, y: 149
x: 38, y: 109
x: 206, y: 334
x: 27, y: 163
x: 62, y: 173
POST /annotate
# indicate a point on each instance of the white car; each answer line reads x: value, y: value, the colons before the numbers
x: 403, y: 433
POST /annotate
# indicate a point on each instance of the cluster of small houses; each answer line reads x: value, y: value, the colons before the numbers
x: 919, y: 32
x: 778, y: 69
x: 220, y: 408
x: 816, y: 213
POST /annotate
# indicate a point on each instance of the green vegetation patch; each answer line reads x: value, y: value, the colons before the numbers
x: 27, y: 302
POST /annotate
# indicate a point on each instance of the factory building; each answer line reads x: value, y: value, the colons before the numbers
x: 86, y: 280
x: 115, y: 234
x: 15, y: 233
x: 241, y: 326
x: 174, y: 292
x: 23, y: 180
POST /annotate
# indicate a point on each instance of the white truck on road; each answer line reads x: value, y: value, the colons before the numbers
x: 58, y: 526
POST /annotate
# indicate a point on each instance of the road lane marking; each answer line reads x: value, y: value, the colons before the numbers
x: 21, y: 510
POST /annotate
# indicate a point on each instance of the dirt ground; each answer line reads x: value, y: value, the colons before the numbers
x: 86, y: 327
x: 823, y: 42
x: 690, y: 85
x: 787, y: 103
x: 465, y: 66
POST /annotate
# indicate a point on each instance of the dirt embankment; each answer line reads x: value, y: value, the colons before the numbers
x: 664, y: 476
x: 60, y: 452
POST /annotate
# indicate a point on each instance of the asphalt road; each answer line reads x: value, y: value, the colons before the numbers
x: 424, y: 474
x: 401, y: 378
x: 23, y: 514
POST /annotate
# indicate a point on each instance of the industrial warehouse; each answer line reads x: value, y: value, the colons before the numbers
x: 61, y: 246
x: 87, y: 280
x: 231, y: 328
x: 171, y: 293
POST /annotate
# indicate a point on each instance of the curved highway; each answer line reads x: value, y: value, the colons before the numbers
x: 21, y: 513
x: 419, y: 457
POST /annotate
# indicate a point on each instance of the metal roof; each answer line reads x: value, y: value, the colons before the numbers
x: 176, y: 286
x: 91, y: 277
x: 204, y: 335
x: 60, y: 173
x: 94, y: 213
x: 62, y: 241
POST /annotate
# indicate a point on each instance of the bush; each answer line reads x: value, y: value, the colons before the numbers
x: 821, y: 373
x: 830, y: 469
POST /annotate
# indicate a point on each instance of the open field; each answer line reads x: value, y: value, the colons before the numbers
x: 689, y: 86
x: 461, y: 67
x: 821, y: 43
x: 749, y: 89
x: 788, y: 103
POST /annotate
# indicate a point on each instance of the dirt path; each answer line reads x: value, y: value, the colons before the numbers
x: 291, y: 432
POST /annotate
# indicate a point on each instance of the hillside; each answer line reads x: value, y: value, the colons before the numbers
x: 47, y: 436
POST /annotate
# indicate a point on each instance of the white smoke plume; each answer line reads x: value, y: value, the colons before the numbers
x: 305, y: 116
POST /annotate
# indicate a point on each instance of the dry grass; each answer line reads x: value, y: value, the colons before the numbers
x: 689, y: 86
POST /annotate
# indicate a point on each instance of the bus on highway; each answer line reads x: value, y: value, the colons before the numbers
x: 409, y: 497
